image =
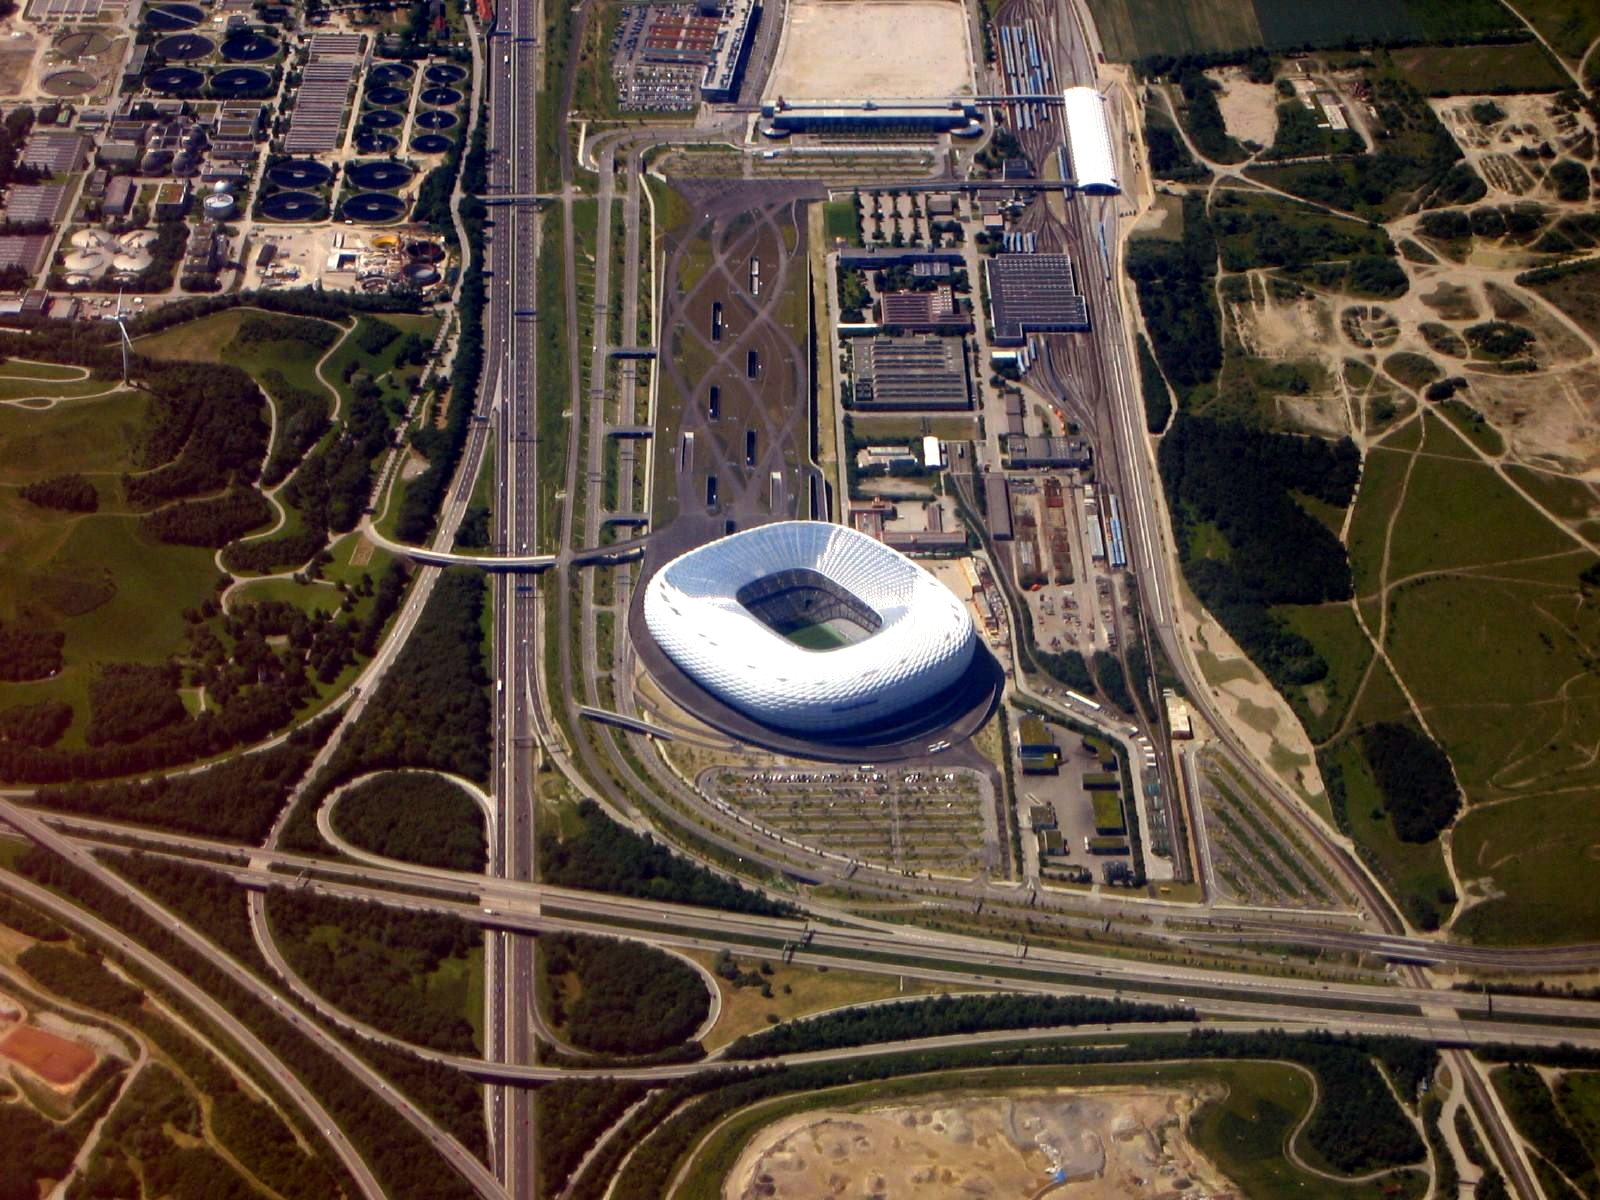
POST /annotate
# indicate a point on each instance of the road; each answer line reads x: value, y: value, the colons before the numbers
x: 509, y: 395
x: 447, y: 1147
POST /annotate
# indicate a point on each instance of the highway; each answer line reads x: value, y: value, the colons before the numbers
x: 509, y: 397
x: 843, y: 939
x: 448, y: 1148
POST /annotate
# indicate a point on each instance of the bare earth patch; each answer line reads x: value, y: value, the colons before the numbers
x: 1111, y: 1144
x: 55, y: 1060
x: 873, y: 49
x: 1249, y: 110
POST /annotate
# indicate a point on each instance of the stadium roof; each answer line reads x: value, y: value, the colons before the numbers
x: 710, y: 611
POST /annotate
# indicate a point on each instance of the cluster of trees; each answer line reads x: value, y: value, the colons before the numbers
x: 631, y: 999
x: 1300, y: 135
x: 256, y: 786
x: 1498, y: 339
x: 1239, y: 481
x: 302, y: 420
x: 1174, y: 281
x: 569, y: 1115
x: 137, y: 1133
x: 332, y: 486
x: 251, y: 1129
x: 69, y: 493
x: 1415, y: 153
x: 212, y: 521
x: 40, y: 723
x: 442, y: 447
x: 376, y: 964
x: 1112, y: 680
x: 129, y: 700
x: 19, y: 916
x: 264, y: 328
x: 33, y: 1149
x: 605, y: 857
x: 942, y: 1017
x: 1491, y: 1185
x: 373, y: 337
x: 1268, y: 232
x: 1157, y: 396
x: 205, y: 429
x: 1538, y: 1119
x: 1169, y: 157
x: 1520, y: 222
x: 1202, y: 117
x: 213, y: 904
x: 29, y: 652
x: 1413, y: 773
x: 432, y: 708
x: 416, y: 817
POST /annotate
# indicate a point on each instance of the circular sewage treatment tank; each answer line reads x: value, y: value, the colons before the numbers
x: 81, y: 43
x: 421, y: 274
x: 248, y: 47
x: 436, y: 119
x: 373, y: 208
x: 441, y: 97
x: 371, y: 142
x: 387, y: 95
x: 299, y: 173
x: 71, y: 82
x: 240, y: 81
x: 184, y: 47
x: 428, y: 252
x: 165, y: 18
x: 380, y: 176
x: 432, y: 143
x: 294, y: 206
x: 174, y: 80
x: 390, y: 73
x: 383, y: 118
x: 444, y: 73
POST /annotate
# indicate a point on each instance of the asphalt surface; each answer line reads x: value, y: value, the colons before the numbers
x: 508, y: 398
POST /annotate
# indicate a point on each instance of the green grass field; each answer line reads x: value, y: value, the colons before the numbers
x: 1413, y: 874
x: 1537, y: 857
x: 1569, y: 25
x: 211, y: 339
x: 25, y: 368
x: 95, y: 438
x: 1565, y: 497
x: 1454, y: 70
x: 1333, y: 629
x: 14, y: 388
x: 1495, y: 641
x: 458, y: 984
x: 1130, y: 29
x: 840, y: 221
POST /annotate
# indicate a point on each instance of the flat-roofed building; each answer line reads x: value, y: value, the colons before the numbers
x: 1027, y: 453
x: 57, y: 151
x: 901, y: 373
x: 36, y: 203
x: 25, y: 250
x: 735, y: 37
x: 924, y: 311
x: 1034, y: 293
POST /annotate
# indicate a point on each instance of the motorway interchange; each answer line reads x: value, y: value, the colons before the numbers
x: 538, y: 733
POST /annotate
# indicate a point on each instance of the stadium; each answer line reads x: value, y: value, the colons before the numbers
x: 813, y: 629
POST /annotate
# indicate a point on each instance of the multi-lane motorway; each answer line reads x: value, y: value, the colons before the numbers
x: 507, y: 402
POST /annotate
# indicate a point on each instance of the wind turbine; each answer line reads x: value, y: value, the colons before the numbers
x: 127, y: 344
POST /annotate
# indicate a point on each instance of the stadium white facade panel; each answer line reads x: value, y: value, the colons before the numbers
x: 1094, y: 160
x: 923, y: 641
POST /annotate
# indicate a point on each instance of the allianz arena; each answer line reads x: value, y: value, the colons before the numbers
x: 810, y: 627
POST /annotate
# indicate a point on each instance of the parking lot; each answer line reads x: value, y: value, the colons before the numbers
x: 659, y: 55
x: 910, y: 820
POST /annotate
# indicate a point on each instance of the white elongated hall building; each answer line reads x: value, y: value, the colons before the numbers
x: 809, y: 626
